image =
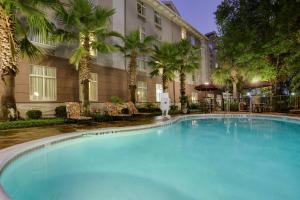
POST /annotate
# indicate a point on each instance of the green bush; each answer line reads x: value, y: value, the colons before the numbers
x: 125, y: 111
x: 34, y: 114
x: 30, y: 123
x: 234, y: 106
x: 173, y: 108
x: 195, y: 106
x: 149, y: 109
x: 116, y: 99
x: 61, y: 112
x: 101, y: 118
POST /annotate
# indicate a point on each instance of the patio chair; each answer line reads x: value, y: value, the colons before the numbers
x: 115, y: 110
x: 243, y: 107
x: 73, y: 113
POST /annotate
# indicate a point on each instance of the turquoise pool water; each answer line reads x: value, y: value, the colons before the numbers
x: 199, y: 159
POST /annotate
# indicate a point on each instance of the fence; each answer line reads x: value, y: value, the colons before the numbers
x: 281, y: 104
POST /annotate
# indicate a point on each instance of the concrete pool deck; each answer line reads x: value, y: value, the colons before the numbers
x: 10, y: 154
x: 12, y: 137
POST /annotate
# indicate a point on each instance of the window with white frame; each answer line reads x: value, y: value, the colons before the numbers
x: 141, y: 64
x: 157, y: 18
x: 42, y: 83
x: 142, y: 32
x: 93, y: 88
x: 183, y: 33
x: 142, y: 91
x: 194, y: 97
x: 141, y: 9
x: 159, y: 91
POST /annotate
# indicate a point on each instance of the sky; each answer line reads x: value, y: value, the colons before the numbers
x: 199, y: 13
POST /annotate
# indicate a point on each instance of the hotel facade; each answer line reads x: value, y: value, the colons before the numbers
x: 51, y: 81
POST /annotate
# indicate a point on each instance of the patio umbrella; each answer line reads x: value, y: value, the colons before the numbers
x: 206, y: 87
x: 260, y: 84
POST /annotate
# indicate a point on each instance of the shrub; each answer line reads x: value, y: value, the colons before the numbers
x: 101, y: 118
x: 116, y: 99
x: 125, y: 111
x: 30, y: 123
x: 195, y: 106
x: 34, y: 114
x: 173, y: 108
x: 234, y: 107
x: 149, y: 109
x: 61, y: 111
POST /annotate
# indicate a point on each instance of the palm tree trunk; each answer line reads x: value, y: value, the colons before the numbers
x: 9, y: 54
x: 183, y: 99
x: 8, y: 102
x: 234, y: 89
x: 132, y: 76
x: 84, y: 76
x: 182, y: 84
x: 164, y: 82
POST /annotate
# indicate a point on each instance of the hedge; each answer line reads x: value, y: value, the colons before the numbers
x: 30, y: 123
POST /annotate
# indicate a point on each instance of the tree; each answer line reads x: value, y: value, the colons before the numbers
x: 90, y: 25
x: 221, y: 77
x: 188, y: 60
x: 18, y: 19
x: 163, y: 63
x: 135, y: 46
x: 268, y: 38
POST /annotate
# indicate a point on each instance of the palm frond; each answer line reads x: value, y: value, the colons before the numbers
x: 28, y: 49
x: 78, y: 54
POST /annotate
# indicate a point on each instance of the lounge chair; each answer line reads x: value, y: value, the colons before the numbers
x: 115, y: 110
x: 73, y: 113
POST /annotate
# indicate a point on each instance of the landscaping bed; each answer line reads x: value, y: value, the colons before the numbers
x: 30, y: 123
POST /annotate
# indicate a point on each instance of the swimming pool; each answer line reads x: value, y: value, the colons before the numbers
x: 224, y: 158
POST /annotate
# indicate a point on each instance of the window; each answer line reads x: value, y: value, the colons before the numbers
x: 194, y: 97
x: 142, y: 33
x: 157, y: 18
x: 93, y: 88
x: 36, y: 37
x: 183, y: 33
x: 159, y: 91
x: 142, y: 64
x: 142, y: 91
x: 192, y: 40
x: 42, y: 83
x: 141, y: 8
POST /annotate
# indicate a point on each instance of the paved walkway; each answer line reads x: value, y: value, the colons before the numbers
x: 16, y: 136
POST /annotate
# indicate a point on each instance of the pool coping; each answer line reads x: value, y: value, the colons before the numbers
x: 10, y: 154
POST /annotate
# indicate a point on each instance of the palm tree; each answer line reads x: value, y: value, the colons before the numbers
x: 90, y: 29
x: 135, y: 46
x: 222, y: 77
x: 19, y: 18
x: 188, y: 61
x: 163, y: 63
